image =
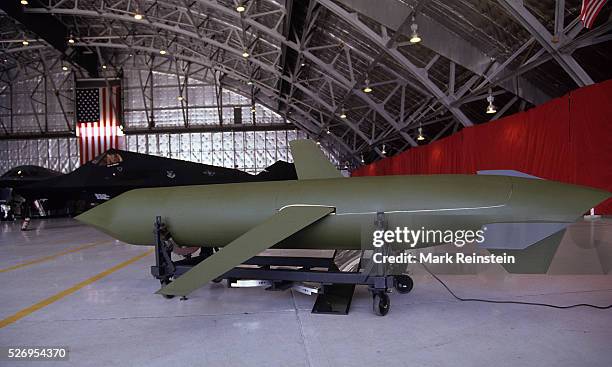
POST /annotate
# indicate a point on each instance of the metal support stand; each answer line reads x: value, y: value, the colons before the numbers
x: 281, y: 273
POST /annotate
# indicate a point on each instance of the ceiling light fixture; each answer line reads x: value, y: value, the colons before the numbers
x: 384, y: 150
x: 64, y: 67
x: 253, y: 109
x: 420, y: 137
x: 367, y: 88
x: 180, y: 98
x: 138, y: 16
x: 245, y: 53
x: 343, y: 114
x: 414, y: 36
x: 162, y: 52
x: 25, y: 42
x: 362, y: 160
x: 491, y: 107
x: 71, y: 39
x: 103, y: 66
x: 250, y: 82
x: 24, y: 2
x: 240, y: 8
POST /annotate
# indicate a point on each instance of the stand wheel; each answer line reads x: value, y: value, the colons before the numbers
x: 403, y: 283
x: 381, y: 303
x: 164, y: 283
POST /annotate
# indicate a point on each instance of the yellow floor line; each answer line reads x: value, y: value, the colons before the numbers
x: 51, y: 257
x: 56, y: 297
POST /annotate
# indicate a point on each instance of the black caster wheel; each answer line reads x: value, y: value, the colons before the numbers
x: 164, y: 283
x: 381, y: 303
x: 403, y: 283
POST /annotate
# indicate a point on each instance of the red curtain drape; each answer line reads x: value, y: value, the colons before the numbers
x: 568, y: 139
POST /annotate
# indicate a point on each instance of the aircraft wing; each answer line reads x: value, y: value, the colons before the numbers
x: 278, y: 227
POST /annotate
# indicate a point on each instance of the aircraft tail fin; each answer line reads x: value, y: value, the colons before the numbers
x: 310, y: 163
x: 534, y: 259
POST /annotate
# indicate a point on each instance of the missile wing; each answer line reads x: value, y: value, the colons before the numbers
x: 283, y: 224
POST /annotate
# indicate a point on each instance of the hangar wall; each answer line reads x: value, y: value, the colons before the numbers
x: 246, y: 150
x: 567, y: 139
x: 31, y: 107
x: 60, y: 154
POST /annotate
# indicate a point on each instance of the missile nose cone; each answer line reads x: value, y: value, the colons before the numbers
x: 98, y: 216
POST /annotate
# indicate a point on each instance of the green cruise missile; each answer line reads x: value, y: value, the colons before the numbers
x: 324, y: 210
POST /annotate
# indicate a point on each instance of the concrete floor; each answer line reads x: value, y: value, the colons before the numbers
x: 118, y: 320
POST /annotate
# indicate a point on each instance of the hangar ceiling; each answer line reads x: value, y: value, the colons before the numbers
x: 311, y: 60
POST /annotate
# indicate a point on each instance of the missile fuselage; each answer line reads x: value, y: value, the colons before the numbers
x: 214, y: 215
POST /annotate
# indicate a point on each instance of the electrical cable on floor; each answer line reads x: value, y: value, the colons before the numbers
x: 510, y: 302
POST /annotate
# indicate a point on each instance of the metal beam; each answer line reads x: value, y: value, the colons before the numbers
x: 439, y: 39
x: 517, y: 10
x: 419, y: 74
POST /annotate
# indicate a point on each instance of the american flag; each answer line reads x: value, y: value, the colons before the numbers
x: 589, y: 11
x: 97, y: 120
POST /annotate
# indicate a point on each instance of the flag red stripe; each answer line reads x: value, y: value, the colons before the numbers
x: 104, y: 114
x: 80, y: 134
x: 116, y: 125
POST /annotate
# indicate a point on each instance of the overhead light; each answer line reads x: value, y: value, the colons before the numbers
x: 491, y: 107
x: 420, y: 137
x: 103, y: 66
x: 25, y: 42
x: 24, y: 2
x: 384, y: 150
x: 245, y: 53
x: 343, y: 114
x: 138, y: 16
x: 318, y: 142
x: 180, y: 98
x: 130, y: 55
x: 65, y: 67
x: 253, y: 109
x: 367, y: 88
x: 250, y: 82
x: 327, y: 131
x: 240, y: 8
x: 162, y: 52
x: 71, y: 39
x: 414, y: 36
x: 303, y: 64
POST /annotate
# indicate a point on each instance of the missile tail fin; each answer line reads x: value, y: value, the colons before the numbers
x: 534, y: 259
x: 310, y: 163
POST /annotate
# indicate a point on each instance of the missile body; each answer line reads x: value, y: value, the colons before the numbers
x: 215, y: 215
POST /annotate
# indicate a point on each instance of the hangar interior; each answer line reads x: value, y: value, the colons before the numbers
x: 230, y: 83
